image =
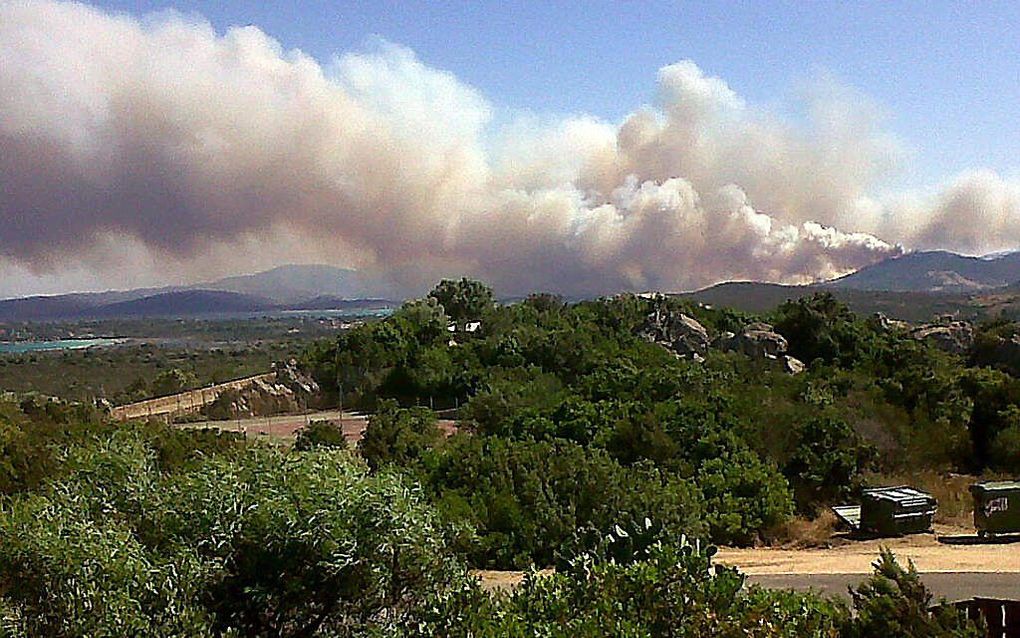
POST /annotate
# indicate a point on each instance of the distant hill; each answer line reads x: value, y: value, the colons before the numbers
x: 184, y: 303
x: 913, y: 287
x: 934, y: 271
x: 296, y: 283
x: 907, y: 306
x: 295, y: 287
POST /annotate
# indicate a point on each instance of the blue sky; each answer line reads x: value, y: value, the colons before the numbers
x: 946, y: 74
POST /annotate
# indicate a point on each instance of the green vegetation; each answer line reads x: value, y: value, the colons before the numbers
x: 320, y: 434
x: 123, y: 374
x: 142, y: 530
x: 581, y: 446
x: 571, y: 420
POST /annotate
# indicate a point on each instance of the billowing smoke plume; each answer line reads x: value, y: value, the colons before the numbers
x: 160, y: 144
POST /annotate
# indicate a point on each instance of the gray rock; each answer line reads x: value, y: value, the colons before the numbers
x: 880, y: 322
x: 756, y: 340
x: 954, y: 337
x: 792, y: 365
x: 290, y: 375
x: 676, y: 332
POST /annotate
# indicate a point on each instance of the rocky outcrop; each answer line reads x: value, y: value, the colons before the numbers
x: 677, y: 332
x: 756, y: 340
x: 760, y: 341
x: 793, y: 365
x: 688, y: 339
x: 289, y: 375
x: 954, y: 337
x: 882, y: 323
x: 288, y: 390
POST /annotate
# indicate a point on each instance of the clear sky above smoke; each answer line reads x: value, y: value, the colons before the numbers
x: 947, y: 73
x: 539, y: 145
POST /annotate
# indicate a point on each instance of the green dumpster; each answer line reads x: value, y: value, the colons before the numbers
x: 996, y: 507
x: 895, y: 511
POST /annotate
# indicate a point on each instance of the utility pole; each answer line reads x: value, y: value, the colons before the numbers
x: 339, y: 384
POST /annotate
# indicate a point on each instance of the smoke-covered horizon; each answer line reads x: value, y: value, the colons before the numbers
x: 135, y: 152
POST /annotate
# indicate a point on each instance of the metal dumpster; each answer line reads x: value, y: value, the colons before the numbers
x: 996, y: 507
x: 894, y: 511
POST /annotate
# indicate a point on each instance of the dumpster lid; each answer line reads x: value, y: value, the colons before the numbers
x: 849, y: 514
x: 900, y: 494
x: 990, y: 486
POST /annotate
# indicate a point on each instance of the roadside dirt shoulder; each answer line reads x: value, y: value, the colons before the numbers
x: 857, y: 557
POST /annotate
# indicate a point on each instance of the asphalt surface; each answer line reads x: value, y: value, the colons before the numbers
x: 952, y: 586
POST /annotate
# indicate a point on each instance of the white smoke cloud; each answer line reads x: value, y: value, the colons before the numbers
x: 160, y: 146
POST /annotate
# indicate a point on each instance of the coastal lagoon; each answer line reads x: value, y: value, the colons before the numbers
x: 15, y: 347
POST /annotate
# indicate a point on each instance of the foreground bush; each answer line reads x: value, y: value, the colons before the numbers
x: 264, y: 544
x: 526, y: 499
x: 894, y: 602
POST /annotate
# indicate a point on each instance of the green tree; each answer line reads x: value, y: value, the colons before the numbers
x: 464, y: 299
x: 398, y: 435
x: 827, y: 461
x: 320, y: 433
x: 894, y: 603
x: 173, y: 381
x: 821, y: 327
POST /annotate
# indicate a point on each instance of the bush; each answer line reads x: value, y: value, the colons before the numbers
x: 827, y: 462
x: 526, y: 499
x: 264, y: 544
x: 398, y: 435
x: 744, y: 497
x: 320, y: 434
x: 1006, y: 450
x: 894, y: 603
x: 674, y: 591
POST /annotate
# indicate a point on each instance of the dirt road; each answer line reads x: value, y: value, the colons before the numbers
x: 953, y: 571
x: 856, y: 557
x: 352, y: 423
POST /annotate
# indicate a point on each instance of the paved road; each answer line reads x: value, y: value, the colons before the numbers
x: 952, y: 586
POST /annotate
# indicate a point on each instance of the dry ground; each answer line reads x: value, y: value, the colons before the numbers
x: 284, y: 427
x: 975, y: 565
x: 856, y: 556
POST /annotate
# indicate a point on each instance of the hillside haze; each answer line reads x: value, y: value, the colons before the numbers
x: 935, y: 271
x: 912, y: 287
x: 291, y: 287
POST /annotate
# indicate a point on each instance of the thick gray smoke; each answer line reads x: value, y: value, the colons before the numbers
x: 161, y: 146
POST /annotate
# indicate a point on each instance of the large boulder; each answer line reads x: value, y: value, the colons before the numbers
x: 882, y: 323
x: 793, y: 365
x: 756, y: 340
x: 954, y: 337
x: 677, y: 332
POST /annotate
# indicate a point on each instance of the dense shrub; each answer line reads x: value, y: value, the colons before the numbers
x: 674, y: 591
x: 320, y: 433
x: 894, y: 603
x: 828, y: 461
x: 526, y: 499
x: 262, y: 544
x: 398, y: 436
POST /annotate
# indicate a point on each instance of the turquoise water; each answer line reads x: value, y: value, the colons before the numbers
x: 13, y: 347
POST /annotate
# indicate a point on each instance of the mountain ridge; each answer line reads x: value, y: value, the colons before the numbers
x: 934, y: 271
x: 905, y: 286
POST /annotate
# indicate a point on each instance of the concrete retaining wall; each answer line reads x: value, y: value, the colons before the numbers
x: 184, y: 402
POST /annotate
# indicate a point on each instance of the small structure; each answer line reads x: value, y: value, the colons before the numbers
x: 1001, y: 617
x: 996, y: 507
x: 890, y: 511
